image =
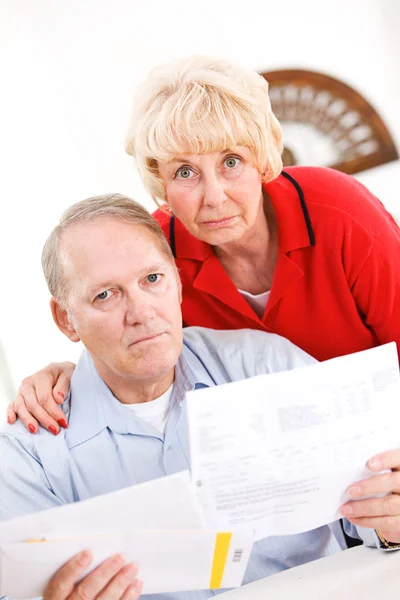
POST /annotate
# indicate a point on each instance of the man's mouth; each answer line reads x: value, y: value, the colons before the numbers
x: 146, y: 338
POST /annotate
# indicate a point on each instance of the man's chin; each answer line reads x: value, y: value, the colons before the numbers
x: 151, y: 365
x: 149, y: 373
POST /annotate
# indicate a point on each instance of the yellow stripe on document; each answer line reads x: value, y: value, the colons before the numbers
x: 222, y: 543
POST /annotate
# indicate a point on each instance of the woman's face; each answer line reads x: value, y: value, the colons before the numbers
x: 217, y: 196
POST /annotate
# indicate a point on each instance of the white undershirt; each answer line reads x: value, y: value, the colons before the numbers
x: 155, y: 412
x: 258, y: 302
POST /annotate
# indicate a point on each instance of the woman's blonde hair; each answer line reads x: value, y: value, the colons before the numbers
x: 198, y: 105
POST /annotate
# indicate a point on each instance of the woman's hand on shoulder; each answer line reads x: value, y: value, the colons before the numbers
x: 39, y: 398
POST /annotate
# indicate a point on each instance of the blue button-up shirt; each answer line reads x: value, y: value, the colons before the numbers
x: 107, y: 447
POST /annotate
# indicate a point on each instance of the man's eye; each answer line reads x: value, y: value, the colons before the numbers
x: 153, y: 277
x: 103, y: 295
x: 231, y: 162
x: 184, y: 173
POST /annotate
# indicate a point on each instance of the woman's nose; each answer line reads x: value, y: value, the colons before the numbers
x: 214, y: 193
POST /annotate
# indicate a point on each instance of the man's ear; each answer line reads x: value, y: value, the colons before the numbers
x: 62, y: 320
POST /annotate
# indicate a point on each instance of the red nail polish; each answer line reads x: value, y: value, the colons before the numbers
x: 32, y: 428
x: 8, y: 420
x: 62, y: 423
x: 53, y: 429
x: 61, y: 395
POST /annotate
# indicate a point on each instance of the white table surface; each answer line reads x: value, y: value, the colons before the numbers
x: 357, y: 574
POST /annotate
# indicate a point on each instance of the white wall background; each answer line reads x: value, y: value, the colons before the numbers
x: 68, y: 73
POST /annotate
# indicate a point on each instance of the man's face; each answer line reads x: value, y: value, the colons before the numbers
x: 123, y: 299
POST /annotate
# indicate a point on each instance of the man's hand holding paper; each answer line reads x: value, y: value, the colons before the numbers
x: 112, y: 580
x: 158, y: 525
x: 383, y: 512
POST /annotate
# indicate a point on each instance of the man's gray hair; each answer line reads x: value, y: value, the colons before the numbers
x: 114, y: 206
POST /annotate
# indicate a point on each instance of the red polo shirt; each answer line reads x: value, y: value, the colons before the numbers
x: 338, y: 296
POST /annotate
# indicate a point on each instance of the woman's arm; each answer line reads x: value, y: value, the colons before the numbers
x: 39, y: 397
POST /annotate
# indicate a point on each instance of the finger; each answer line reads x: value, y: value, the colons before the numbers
x: 11, y: 414
x: 61, y: 389
x: 62, y: 385
x: 42, y: 387
x: 53, y: 409
x: 133, y: 592
x: 62, y: 583
x: 98, y: 579
x: 373, y: 507
x: 390, y: 536
x: 29, y: 407
x: 49, y: 405
x: 391, y: 523
x: 385, y: 460
x: 22, y: 413
x: 378, y: 484
x: 120, y: 584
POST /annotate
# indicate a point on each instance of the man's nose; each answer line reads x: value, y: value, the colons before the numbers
x: 214, y: 192
x: 139, y: 308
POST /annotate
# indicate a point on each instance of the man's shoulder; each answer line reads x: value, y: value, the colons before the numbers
x: 244, y: 352
x: 17, y: 444
x: 17, y: 432
x: 16, y: 438
x: 228, y: 338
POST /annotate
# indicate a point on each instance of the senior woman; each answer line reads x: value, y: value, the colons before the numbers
x: 304, y: 252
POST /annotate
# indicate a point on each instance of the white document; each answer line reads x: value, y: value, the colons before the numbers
x: 164, y: 503
x: 158, y: 524
x: 277, y: 452
x: 168, y: 561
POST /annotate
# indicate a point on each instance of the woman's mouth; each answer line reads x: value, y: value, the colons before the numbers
x: 214, y: 223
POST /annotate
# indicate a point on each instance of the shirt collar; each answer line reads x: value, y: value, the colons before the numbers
x: 292, y: 227
x: 92, y: 407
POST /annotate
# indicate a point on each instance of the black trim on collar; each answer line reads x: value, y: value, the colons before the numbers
x: 304, y: 208
x: 172, y: 235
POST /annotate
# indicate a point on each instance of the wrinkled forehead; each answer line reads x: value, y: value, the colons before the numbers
x: 109, y: 248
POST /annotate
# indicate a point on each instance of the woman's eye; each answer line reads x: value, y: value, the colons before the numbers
x: 103, y: 295
x: 153, y: 277
x: 231, y: 162
x: 184, y: 173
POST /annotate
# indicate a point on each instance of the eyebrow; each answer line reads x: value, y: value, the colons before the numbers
x: 177, y: 159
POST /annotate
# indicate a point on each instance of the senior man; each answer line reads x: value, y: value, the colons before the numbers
x: 115, y: 287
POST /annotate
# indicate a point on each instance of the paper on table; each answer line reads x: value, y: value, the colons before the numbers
x: 168, y: 561
x: 278, y: 451
x: 165, y: 503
